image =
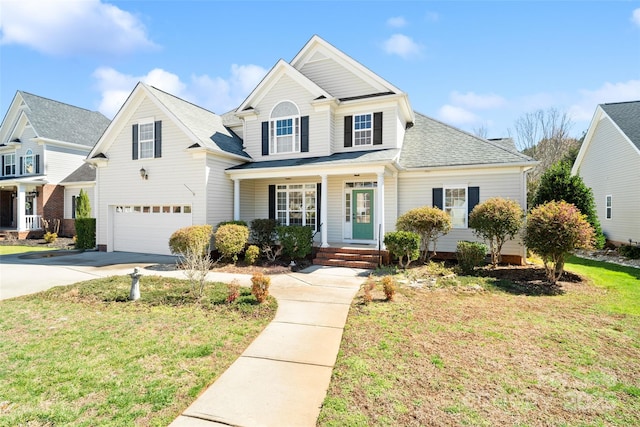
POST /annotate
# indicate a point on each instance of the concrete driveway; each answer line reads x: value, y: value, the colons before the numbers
x: 24, y: 274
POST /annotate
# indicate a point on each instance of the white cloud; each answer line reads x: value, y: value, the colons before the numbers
x: 635, y: 17
x: 397, y: 22
x: 68, y: 27
x: 457, y: 115
x: 476, y: 101
x: 584, y: 108
x: 403, y: 46
x: 213, y: 93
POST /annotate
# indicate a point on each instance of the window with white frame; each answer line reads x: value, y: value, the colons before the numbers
x: 609, y: 205
x: 28, y: 165
x: 296, y: 204
x: 146, y: 139
x: 284, y: 128
x: 362, y: 129
x: 9, y: 162
x: 455, y: 204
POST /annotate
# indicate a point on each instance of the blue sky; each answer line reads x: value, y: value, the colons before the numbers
x: 470, y: 64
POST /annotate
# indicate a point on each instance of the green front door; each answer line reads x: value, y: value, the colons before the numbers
x: 363, y: 214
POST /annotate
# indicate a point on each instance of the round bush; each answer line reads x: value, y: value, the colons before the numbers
x: 193, y: 239
x: 231, y: 240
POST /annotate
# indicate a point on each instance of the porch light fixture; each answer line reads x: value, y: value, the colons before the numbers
x: 143, y: 173
x: 33, y: 193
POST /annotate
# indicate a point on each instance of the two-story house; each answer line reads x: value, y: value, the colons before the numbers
x: 42, y: 144
x: 322, y: 141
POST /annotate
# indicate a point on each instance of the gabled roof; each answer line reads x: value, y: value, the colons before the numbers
x: 58, y: 121
x: 626, y: 115
x: 431, y: 143
x: 204, y: 128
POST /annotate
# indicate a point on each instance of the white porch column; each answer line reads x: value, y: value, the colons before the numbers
x: 236, y: 199
x: 323, y: 212
x: 21, y: 199
x: 380, y: 203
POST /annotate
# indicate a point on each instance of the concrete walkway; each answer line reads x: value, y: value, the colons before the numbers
x: 282, y: 377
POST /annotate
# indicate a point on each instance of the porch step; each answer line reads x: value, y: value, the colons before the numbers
x: 349, y: 257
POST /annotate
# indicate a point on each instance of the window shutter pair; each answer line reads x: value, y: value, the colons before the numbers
x: 304, y: 136
x: 377, y: 130
x: 157, y: 143
x: 272, y: 203
x: 473, y: 198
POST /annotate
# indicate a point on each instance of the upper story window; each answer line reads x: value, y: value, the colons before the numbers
x: 362, y: 130
x: 28, y: 162
x: 145, y: 140
x: 284, y: 129
x: 9, y: 164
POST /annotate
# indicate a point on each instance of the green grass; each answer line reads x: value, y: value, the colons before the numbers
x: 474, y: 351
x: 82, y: 355
x: 11, y: 250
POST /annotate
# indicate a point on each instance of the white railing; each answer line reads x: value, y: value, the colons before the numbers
x: 33, y: 222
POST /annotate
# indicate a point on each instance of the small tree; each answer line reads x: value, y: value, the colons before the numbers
x: 557, y: 183
x: 496, y: 220
x: 403, y: 244
x: 83, y: 205
x: 429, y: 223
x: 553, y: 231
x: 85, y: 225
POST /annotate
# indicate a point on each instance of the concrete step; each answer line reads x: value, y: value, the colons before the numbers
x: 348, y: 256
x: 336, y: 262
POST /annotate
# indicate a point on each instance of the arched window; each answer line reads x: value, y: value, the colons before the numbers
x: 284, y: 128
x: 28, y: 163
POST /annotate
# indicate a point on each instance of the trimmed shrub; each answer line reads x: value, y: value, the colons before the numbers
x: 231, y: 240
x: 470, y: 255
x: 403, y: 244
x: 296, y: 240
x: 251, y: 254
x: 239, y: 222
x: 557, y: 184
x: 263, y: 232
x: 554, y: 230
x: 193, y: 239
x: 260, y: 286
x: 496, y: 220
x: 86, y: 233
x: 429, y: 223
x: 629, y: 251
x: 389, y: 286
x: 50, y: 237
x: 368, y: 288
x: 233, y: 291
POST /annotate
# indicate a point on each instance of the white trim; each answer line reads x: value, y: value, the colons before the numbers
x: 353, y: 130
x: 466, y: 203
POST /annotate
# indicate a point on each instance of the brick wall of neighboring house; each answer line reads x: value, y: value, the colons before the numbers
x: 51, y: 203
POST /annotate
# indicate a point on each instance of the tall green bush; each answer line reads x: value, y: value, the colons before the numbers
x: 263, y: 232
x: 554, y: 230
x: 83, y: 205
x: 403, y: 244
x: 429, y: 223
x: 231, y: 239
x: 296, y: 240
x: 194, y: 239
x: 496, y: 220
x: 86, y: 233
x: 557, y: 184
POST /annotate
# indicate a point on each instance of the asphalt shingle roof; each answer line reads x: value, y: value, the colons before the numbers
x: 208, y: 127
x: 627, y: 116
x: 431, y: 143
x: 85, y: 173
x: 63, y: 122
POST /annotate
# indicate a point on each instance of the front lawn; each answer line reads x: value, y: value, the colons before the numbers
x: 83, y: 355
x: 489, y: 351
x: 11, y: 250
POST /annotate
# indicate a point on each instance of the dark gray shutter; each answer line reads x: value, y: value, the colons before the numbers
x: 377, y: 128
x: 348, y: 129
x: 473, y: 198
x: 2, y: 173
x: 265, y: 138
x: 73, y: 206
x: 304, y: 134
x: 436, y: 194
x: 157, y: 143
x: 134, y: 145
x: 37, y: 156
x: 20, y: 165
x: 272, y: 202
x: 318, y: 205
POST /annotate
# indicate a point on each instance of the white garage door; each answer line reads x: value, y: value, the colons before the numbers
x: 146, y: 229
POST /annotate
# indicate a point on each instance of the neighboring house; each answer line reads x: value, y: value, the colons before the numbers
x: 42, y: 142
x: 609, y: 163
x: 322, y: 141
